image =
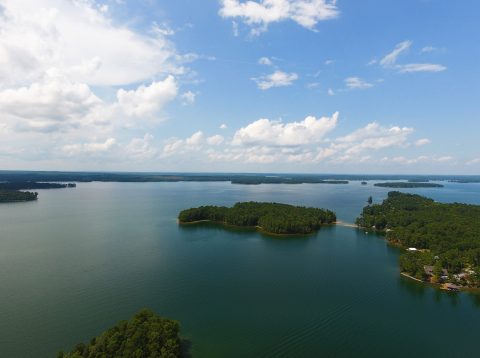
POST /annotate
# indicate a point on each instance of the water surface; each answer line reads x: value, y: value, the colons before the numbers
x: 79, y: 260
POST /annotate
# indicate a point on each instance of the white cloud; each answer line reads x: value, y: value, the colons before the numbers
x: 390, y: 59
x: 195, y: 139
x: 474, y: 161
x: 92, y: 147
x: 373, y: 137
x: 235, y: 29
x: 276, y: 79
x: 147, y: 100
x: 275, y: 133
x: 446, y: 158
x: 259, y: 14
x: 265, y: 61
x: 421, y: 67
x: 429, y: 49
x: 173, y: 146
x: 423, y: 141
x: 80, y: 41
x: 215, y: 140
x: 357, y: 83
x: 141, y: 148
x: 329, y: 62
x: 188, y: 98
x: 52, y: 104
x: 331, y: 92
x: 223, y: 126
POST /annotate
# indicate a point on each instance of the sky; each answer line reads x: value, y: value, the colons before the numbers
x: 307, y: 86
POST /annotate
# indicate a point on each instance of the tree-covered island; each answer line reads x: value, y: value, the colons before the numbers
x: 409, y: 184
x: 145, y: 335
x: 441, y: 241
x: 12, y: 196
x: 273, y: 218
x: 10, y: 190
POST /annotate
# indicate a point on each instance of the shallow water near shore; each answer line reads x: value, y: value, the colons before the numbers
x: 79, y: 260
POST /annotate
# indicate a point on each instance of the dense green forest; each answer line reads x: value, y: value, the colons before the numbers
x: 146, y: 335
x: 255, y: 180
x: 9, y: 196
x: 28, y: 185
x: 410, y: 184
x: 244, y: 178
x: 271, y: 217
x: 445, y: 236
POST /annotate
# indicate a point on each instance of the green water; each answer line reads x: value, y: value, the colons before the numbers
x: 79, y: 260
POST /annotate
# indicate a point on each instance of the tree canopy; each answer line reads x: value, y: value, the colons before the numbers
x: 271, y: 217
x: 9, y: 196
x: 444, y: 234
x: 146, y: 335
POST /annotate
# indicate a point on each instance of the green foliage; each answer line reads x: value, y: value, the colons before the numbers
x: 9, y: 196
x: 18, y: 185
x: 145, y: 335
x: 409, y: 184
x: 271, y: 217
x: 449, y: 231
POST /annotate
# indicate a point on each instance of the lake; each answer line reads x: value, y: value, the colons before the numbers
x: 79, y: 260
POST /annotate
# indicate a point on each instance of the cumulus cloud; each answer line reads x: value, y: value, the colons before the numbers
x: 372, y: 137
x: 147, y: 100
x: 260, y: 14
x: 265, y: 61
x: 215, y: 140
x: 223, y: 126
x: 70, y: 75
x: 276, y: 79
x: 141, y: 148
x: 422, y: 142
x: 357, y: 83
x: 188, y: 98
x: 51, y: 104
x: 92, y: 147
x: 41, y: 34
x: 306, y: 142
x: 195, y: 139
x: 277, y: 133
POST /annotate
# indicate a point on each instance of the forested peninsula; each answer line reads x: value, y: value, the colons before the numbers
x: 410, y: 184
x: 145, y: 335
x: 12, y: 196
x: 441, y: 241
x: 10, y: 190
x: 273, y: 218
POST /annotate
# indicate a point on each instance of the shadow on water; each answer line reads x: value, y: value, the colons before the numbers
x: 414, y: 288
x: 217, y: 227
x: 186, y: 348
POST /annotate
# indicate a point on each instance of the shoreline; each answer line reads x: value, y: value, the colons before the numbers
x: 256, y: 228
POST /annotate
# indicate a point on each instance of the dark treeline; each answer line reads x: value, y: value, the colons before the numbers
x: 46, y: 176
x: 446, y: 236
x: 10, y: 196
x: 252, y: 180
x: 409, y: 184
x: 145, y: 335
x: 27, y: 185
x: 271, y: 217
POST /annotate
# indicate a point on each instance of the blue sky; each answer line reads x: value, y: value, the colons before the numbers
x: 272, y: 86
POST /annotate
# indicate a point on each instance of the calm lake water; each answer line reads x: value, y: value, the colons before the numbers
x: 79, y: 260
